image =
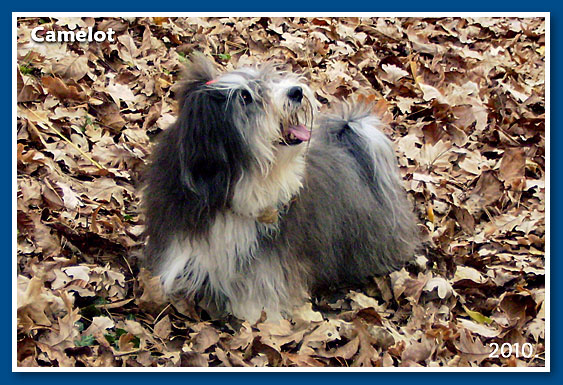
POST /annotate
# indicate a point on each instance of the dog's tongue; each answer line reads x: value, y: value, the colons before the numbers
x: 300, y: 132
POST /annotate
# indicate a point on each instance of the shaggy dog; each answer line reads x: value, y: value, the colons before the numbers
x: 252, y: 202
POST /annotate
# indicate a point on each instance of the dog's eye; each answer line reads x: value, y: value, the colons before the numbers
x: 246, y: 97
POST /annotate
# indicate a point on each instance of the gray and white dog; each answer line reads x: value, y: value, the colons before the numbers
x: 253, y: 203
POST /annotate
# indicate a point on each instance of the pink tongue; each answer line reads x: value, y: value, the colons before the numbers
x: 300, y: 132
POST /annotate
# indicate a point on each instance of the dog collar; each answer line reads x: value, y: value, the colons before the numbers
x: 270, y: 215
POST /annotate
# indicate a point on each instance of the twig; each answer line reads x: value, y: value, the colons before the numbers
x: 159, y: 314
x: 113, y: 305
x: 49, y: 125
x: 121, y: 354
x: 128, y: 265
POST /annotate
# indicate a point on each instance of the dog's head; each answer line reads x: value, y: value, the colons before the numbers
x: 241, y: 127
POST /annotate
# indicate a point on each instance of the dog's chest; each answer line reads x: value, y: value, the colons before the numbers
x: 229, y: 247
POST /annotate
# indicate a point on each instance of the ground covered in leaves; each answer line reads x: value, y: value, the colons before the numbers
x: 465, y: 103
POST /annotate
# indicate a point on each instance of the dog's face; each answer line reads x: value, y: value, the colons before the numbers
x: 244, y: 135
x: 272, y: 110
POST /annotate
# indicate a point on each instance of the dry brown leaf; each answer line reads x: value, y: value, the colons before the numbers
x: 471, y: 348
x: 72, y: 67
x: 28, y: 90
x: 204, y: 339
x: 163, y: 328
x: 59, y: 89
x: 512, y: 166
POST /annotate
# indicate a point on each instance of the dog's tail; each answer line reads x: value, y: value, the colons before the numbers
x: 356, y: 130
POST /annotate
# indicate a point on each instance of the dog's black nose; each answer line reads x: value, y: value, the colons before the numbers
x: 295, y: 94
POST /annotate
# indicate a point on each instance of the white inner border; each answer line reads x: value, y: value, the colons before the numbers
x: 545, y: 15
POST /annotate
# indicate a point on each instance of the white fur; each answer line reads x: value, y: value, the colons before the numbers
x: 230, y: 246
x: 256, y: 191
x: 219, y: 256
x: 220, y: 259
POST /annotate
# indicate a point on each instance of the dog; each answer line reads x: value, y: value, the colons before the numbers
x: 253, y: 201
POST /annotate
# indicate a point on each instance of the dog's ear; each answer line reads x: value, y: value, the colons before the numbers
x: 210, y: 149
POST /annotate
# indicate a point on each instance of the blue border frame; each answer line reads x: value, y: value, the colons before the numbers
x: 288, y: 6
x: 6, y: 149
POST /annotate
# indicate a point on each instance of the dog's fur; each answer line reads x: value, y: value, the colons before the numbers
x: 241, y: 222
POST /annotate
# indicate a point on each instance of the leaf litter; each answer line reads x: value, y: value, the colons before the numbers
x: 465, y: 102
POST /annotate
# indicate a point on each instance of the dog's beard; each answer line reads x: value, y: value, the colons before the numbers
x: 280, y: 159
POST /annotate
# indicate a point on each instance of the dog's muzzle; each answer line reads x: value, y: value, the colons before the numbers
x: 292, y: 129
